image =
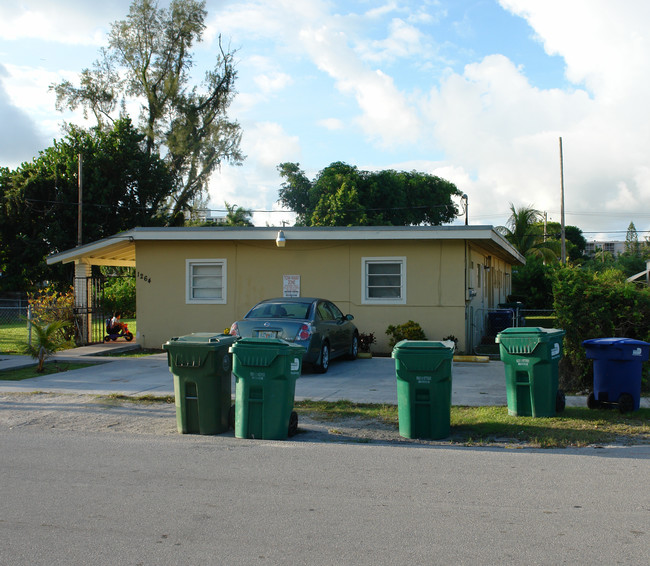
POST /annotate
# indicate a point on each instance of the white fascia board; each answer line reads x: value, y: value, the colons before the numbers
x: 358, y: 233
x: 95, y: 248
x: 317, y: 233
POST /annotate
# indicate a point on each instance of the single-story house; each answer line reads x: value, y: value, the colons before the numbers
x: 202, y: 279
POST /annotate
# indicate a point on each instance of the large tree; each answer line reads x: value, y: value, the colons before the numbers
x: 123, y: 187
x: 342, y: 195
x: 149, y: 59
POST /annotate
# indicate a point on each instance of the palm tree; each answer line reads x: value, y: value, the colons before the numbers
x: 528, y: 238
x: 238, y: 216
x: 46, y: 340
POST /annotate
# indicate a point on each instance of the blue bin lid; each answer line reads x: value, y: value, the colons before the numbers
x: 617, y: 349
x: 607, y: 342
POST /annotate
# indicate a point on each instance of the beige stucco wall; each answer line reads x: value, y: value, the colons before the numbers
x: 435, y: 278
x: 486, y: 289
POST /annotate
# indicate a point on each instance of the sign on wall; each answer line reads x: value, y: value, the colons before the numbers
x: 291, y: 286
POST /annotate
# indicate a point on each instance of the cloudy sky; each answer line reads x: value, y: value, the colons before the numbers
x: 476, y: 91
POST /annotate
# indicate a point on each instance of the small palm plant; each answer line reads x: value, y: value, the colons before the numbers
x: 46, y: 340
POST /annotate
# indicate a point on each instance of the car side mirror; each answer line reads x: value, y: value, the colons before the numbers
x: 349, y: 317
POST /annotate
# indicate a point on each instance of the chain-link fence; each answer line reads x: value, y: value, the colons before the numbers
x: 16, y: 331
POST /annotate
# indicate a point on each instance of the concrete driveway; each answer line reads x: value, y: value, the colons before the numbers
x: 361, y: 381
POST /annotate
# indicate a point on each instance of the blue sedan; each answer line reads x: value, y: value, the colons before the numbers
x: 316, y: 324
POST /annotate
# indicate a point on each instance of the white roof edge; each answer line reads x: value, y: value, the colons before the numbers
x: 312, y: 233
x: 86, y: 249
x: 472, y: 232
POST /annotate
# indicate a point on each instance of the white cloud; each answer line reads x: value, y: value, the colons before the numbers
x: 386, y: 116
x: 404, y: 40
x: 255, y: 185
x: 332, y: 124
x: 71, y: 23
x: 604, y: 43
x: 273, y: 82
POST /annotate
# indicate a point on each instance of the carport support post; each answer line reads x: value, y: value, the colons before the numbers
x: 82, y: 299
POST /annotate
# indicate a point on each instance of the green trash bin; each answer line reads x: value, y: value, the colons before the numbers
x: 265, y: 372
x: 423, y: 371
x: 201, y: 365
x: 531, y: 357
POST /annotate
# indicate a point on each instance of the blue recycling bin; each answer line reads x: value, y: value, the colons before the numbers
x: 499, y: 320
x: 618, y: 364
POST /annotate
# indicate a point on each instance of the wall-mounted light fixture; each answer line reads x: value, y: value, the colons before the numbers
x: 280, y: 241
x: 487, y: 263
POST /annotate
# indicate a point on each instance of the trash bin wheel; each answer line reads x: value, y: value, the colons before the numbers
x: 626, y: 403
x: 560, y: 401
x: 324, y: 363
x: 293, y: 423
x: 592, y: 402
x: 231, y: 417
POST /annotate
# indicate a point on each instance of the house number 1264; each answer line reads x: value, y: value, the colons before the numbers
x: 144, y: 277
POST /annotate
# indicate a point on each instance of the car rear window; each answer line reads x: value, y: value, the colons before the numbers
x: 280, y: 310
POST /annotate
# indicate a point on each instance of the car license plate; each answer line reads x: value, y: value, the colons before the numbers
x: 267, y: 334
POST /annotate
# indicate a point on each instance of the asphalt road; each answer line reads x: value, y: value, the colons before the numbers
x: 110, y: 499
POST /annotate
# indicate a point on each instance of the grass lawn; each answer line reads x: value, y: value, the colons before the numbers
x: 48, y: 369
x: 14, y: 336
x: 577, y: 426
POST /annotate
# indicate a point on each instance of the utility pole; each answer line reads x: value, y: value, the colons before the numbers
x: 563, y: 240
x: 545, y: 224
x: 80, y: 209
x: 464, y: 197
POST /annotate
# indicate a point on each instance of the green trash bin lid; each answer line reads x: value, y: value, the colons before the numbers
x: 263, y: 351
x: 424, y: 347
x: 536, y: 330
x: 202, y: 338
x: 524, y: 340
x: 275, y: 344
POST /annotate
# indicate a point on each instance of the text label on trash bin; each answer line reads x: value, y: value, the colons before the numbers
x: 637, y: 352
x: 555, y: 351
x: 423, y: 378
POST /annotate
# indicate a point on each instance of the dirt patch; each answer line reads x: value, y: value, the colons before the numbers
x: 89, y: 413
x: 85, y: 413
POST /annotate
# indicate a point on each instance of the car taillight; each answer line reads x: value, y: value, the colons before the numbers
x: 234, y: 329
x: 304, y: 333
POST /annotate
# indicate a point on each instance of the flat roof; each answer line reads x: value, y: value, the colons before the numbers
x: 119, y: 249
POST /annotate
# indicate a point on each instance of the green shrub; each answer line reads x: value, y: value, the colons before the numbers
x: 119, y: 295
x: 49, y: 305
x: 592, y: 304
x: 366, y: 340
x: 407, y: 331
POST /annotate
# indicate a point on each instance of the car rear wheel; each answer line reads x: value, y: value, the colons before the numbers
x: 324, y: 361
x: 354, y: 348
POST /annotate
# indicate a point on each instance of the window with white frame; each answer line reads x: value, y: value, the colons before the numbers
x: 384, y: 280
x: 206, y: 281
